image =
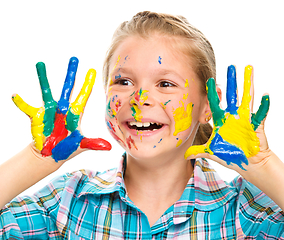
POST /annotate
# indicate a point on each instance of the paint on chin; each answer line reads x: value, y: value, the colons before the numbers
x: 112, y: 131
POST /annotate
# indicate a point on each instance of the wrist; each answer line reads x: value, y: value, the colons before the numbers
x: 269, y: 178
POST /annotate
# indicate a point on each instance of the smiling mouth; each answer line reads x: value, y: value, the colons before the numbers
x: 144, y: 126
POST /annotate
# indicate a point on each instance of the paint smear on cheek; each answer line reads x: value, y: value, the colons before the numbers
x: 186, y: 83
x: 179, y: 142
x: 182, y: 117
x: 164, y: 104
x: 160, y: 60
x: 130, y: 141
x: 110, y: 80
x: 113, y: 132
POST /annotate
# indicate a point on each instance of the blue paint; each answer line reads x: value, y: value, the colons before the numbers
x: 67, y: 146
x: 63, y: 103
x: 114, y: 97
x: 231, y: 90
x: 227, y: 152
x: 160, y: 140
x: 117, y: 76
x: 160, y: 60
x: 154, y: 146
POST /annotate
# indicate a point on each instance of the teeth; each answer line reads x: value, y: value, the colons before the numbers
x: 144, y: 124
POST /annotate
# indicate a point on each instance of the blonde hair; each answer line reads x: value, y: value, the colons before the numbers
x: 196, y: 46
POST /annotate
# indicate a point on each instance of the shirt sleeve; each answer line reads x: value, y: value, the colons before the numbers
x: 260, y: 217
x: 33, y: 217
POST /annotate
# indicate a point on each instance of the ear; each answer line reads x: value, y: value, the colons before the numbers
x: 206, y: 114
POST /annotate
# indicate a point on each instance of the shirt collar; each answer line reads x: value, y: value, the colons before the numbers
x: 205, y: 189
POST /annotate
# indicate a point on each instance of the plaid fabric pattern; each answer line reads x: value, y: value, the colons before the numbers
x: 93, y: 205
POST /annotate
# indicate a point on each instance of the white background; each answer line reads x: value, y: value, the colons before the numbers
x: 241, y: 32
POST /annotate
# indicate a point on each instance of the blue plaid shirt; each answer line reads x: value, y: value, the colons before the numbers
x: 93, y: 205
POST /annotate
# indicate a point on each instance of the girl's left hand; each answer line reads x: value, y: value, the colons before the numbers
x: 238, y: 140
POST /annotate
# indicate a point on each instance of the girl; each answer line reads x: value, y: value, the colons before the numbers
x: 159, y: 102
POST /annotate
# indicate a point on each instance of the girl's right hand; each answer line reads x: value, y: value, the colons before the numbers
x: 55, y: 127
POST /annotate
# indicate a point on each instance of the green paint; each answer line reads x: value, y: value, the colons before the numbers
x: 109, y: 110
x: 166, y: 102
x: 72, y: 121
x: 214, y: 102
x: 258, y: 117
x: 49, y: 117
x: 49, y: 104
x: 132, y: 94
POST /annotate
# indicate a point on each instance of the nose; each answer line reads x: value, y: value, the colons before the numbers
x: 140, y: 98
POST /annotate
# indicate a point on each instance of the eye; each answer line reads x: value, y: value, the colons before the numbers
x: 165, y: 84
x: 124, y: 82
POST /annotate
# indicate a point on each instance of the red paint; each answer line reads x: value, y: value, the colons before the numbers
x: 117, y: 105
x: 129, y: 140
x: 136, y: 96
x: 59, y: 133
x: 95, y: 144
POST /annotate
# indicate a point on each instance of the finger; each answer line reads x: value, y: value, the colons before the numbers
x: 77, y: 107
x: 95, y: 144
x: 44, y: 85
x: 247, y: 99
x: 79, y: 104
x: 261, y: 113
x: 214, y: 101
x: 24, y: 107
x: 232, y: 96
x: 195, y: 151
x: 63, y: 103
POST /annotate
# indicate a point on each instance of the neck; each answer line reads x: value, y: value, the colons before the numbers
x: 153, y: 189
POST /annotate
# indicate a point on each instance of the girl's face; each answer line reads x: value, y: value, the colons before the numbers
x: 154, y: 103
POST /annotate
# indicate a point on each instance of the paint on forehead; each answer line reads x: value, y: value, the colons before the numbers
x: 182, y: 117
x: 160, y: 60
x: 117, y: 76
x: 130, y: 142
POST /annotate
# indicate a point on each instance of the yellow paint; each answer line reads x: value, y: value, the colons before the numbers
x: 182, y: 117
x: 185, y: 96
x: 186, y: 83
x: 143, y: 97
x: 36, y: 115
x: 179, y: 142
x: 238, y: 130
x: 136, y: 111
x: 110, y: 80
x: 79, y: 104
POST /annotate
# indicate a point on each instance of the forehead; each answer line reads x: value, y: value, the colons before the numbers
x: 163, y: 50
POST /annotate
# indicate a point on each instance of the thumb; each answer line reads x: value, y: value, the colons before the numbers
x: 95, y: 144
x: 196, y: 151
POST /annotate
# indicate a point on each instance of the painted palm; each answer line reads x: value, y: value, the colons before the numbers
x: 55, y: 126
x: 234, y: 139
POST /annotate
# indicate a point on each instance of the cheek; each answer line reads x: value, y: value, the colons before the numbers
x: 113, y: 104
